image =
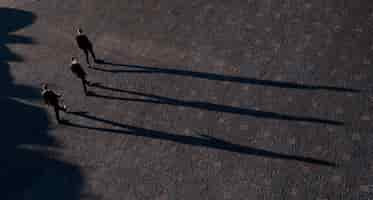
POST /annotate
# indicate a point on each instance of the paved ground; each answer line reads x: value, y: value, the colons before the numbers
x: 197, y: 100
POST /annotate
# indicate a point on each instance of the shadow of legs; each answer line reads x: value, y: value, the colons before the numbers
x: 202, y: 141
x: 221, y: 77
x: 156, y: 99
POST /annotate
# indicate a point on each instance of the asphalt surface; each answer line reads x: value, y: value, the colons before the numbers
x: 194, y: 100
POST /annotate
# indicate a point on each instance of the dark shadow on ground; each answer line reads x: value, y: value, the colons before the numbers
x: 27, y: 171
x: 201, y: 141
x: 220, y: 77
x: 151, y: 98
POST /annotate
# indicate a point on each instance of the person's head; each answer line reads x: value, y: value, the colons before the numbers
x: 44, y: 86
x: 74, y: 60
x: 80, y: 31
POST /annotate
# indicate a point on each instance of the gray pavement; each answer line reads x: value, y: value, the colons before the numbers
x: 196, y: 100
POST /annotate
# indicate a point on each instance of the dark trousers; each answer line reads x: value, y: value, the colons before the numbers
x: 57, y: 112
x: 89, y: 51
x: 57, y: 109
x: 85, y: 83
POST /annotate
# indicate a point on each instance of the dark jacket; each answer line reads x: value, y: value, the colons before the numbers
x: 83, y: 42
x: 50, y: 97
x: 78, y: 70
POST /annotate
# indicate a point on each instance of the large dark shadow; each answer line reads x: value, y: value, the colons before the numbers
x: 219, y: 77
x: 26, y: 171
x: 151, y: 98
x: 201, y: 141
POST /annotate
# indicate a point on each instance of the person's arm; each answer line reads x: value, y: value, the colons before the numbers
x: 58, y: 95
x: 45, y: 98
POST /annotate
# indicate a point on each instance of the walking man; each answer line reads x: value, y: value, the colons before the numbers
x: 51, y: 98
x: 85, y: 44
x: 78, y: 70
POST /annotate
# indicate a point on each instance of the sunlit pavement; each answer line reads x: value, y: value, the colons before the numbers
x: 207, y: 99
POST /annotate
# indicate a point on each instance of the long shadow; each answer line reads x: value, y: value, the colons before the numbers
x: 202, y: 141
x: 220, y: 77
x: 151, y: 98
x: 25, y: 171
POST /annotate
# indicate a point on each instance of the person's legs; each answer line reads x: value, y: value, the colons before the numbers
x: 87, y: 82
x: 84, y: 86
x: 57, y: 112
x: 84, y: 79
x: 87, y: 57
x: 92, y: 54
x: 63, y: 108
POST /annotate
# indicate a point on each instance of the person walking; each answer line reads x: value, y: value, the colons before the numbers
x: 85, y: 44
x: 52, y: 98
x: 78, y: 70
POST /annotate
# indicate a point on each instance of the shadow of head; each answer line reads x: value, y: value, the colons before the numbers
x: 14, y: 19
x: 24, y: 170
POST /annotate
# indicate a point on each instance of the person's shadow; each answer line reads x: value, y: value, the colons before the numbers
x: 200, y: 140
x: 216, y: 77
x: 26, y: 172
x: 156, y: 99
